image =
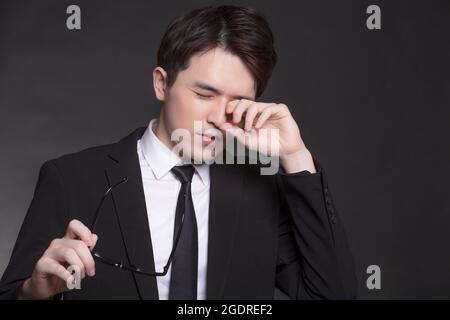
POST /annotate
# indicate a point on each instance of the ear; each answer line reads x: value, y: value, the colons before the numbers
x: 159, y: 83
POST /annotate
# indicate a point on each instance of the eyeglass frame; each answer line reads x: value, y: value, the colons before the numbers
x: 121, y: 265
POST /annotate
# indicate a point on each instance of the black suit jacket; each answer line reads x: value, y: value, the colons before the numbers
x: 264, y: 231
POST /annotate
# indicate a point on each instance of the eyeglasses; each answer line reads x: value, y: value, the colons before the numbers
x: 121, y: 264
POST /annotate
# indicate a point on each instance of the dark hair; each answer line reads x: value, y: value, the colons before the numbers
x: 239, y: 30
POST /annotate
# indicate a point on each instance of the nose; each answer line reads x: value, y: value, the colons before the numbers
x: 217, y: 114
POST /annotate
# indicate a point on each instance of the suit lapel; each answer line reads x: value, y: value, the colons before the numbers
x: 129, y: 199
x: 225, y: 198
x: 131, y: 210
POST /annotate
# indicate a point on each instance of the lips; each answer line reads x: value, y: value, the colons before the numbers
x: 207, y: 139
x: 205, y: 135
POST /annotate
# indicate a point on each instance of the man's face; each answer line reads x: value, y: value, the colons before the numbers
x: 201, y: 93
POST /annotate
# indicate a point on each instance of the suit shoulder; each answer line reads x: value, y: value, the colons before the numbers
x: 86, y: 159
x: 87, y: 154
x: 92, y: 158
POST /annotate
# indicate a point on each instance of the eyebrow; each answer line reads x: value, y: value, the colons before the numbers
x: 208, y: 87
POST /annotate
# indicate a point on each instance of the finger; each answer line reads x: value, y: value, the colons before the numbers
x: 68, y: 256
x: 84, y: 254
x: 234, y: 130
x: 250, y: 116
x: 232, y: 105
x: 95, y: 239
x: 239, y: 110
x: 267, y: 112
x: 253, y: 112
x: 52, y: 267
x: 77, y: 230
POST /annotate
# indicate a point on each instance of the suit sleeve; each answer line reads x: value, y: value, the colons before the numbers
x: 45, y: 220
x: 314, y: 258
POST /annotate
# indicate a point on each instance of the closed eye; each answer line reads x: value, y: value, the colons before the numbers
x: 202, y: 95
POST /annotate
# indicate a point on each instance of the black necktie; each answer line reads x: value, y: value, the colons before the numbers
x: 183, y: 279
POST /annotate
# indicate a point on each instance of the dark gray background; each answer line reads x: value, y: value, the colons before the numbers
x: 373, y: 106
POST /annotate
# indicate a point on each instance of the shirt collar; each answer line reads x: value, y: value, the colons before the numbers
x: 161, y: 159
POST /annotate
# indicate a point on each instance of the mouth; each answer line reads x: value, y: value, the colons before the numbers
x: 207, y: 139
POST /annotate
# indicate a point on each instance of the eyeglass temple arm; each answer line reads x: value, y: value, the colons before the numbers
x: 97, y: 211
x: 121, y: 265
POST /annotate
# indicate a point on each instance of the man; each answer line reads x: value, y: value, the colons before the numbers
x: 135, y: 220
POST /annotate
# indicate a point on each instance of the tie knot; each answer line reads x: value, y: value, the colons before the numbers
x: 184, y: 173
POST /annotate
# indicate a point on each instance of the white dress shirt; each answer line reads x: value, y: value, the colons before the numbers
x: 161, y: 189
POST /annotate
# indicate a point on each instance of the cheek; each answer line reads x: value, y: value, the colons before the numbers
x: 185, y: 109
x: 199, y: 109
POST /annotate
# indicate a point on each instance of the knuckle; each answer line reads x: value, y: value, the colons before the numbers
x: 54, y: 243
x: 68, y: 253
x: 41, y: 264
x: 73, y: 223
x: 79, y: 245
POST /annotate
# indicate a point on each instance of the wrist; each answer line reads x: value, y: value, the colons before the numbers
x: 28, y: 292
x: 298, y: 161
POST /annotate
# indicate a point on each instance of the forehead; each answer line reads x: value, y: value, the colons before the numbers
x: 222, y: 70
